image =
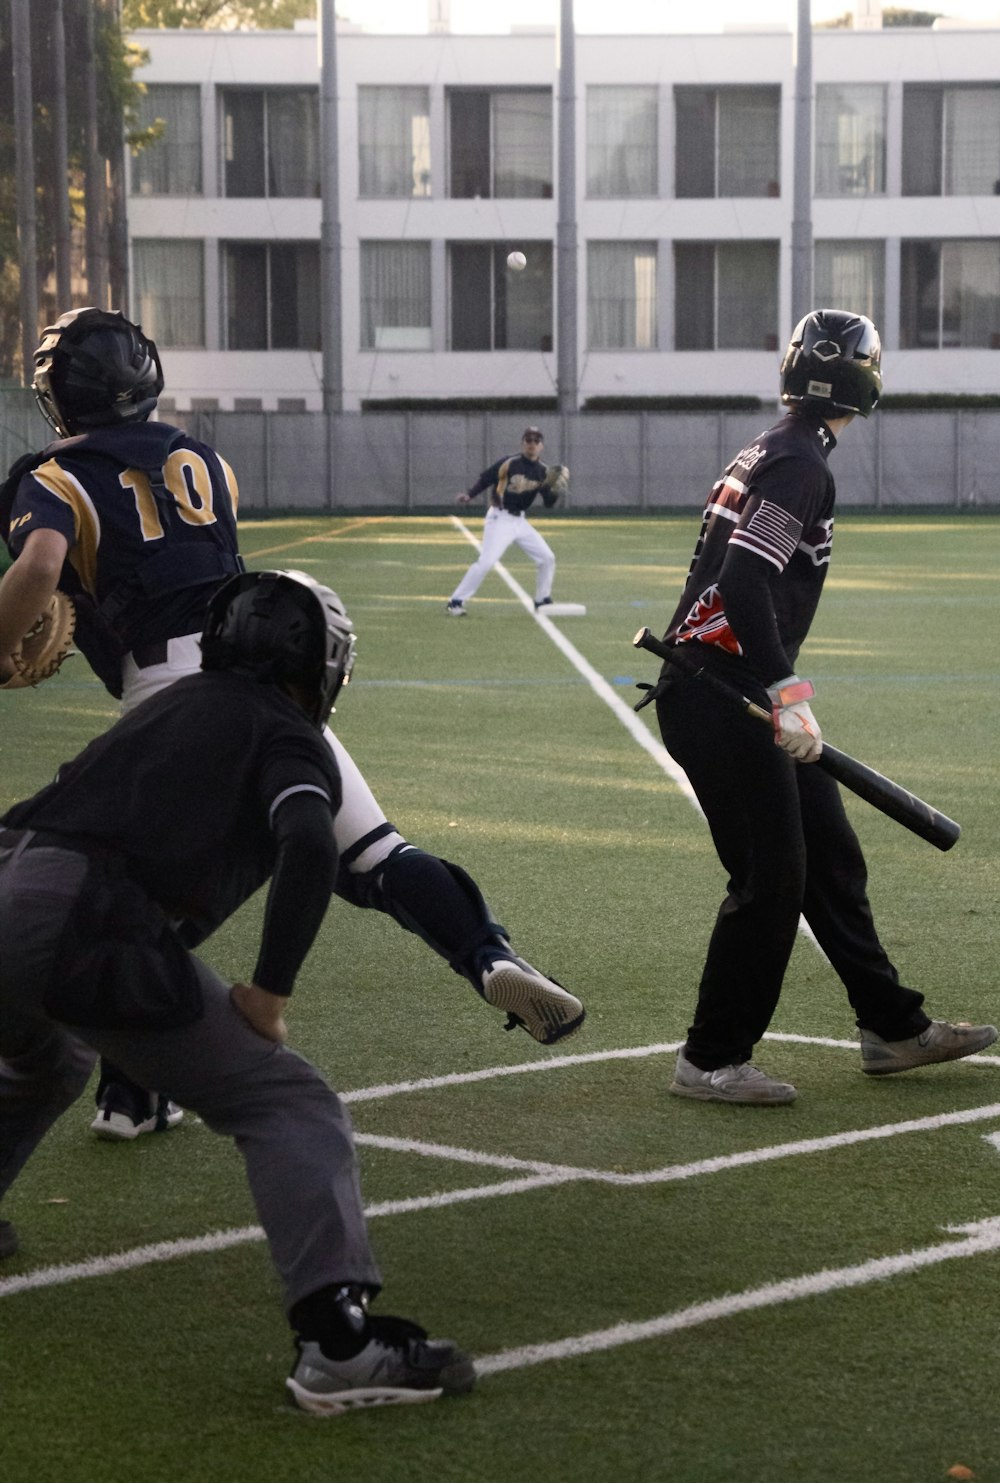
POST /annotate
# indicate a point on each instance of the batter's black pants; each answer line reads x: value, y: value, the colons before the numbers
x: 782, y: 834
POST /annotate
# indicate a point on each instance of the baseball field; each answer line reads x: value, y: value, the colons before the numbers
x: 653, y: 1288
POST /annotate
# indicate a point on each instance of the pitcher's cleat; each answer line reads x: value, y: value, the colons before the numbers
x: 399, y: 1366
x: 939, y: 1042
x: 533, y: 1002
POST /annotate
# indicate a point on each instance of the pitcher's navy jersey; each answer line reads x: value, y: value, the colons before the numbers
x: 515, y: 482
x: 150, y: 517
x: 775, y: 499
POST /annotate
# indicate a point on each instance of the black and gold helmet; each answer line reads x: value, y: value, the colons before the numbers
x: 95, y: 368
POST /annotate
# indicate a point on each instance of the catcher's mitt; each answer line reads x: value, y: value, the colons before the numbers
x: 46, y: 644
x: 555, y: 483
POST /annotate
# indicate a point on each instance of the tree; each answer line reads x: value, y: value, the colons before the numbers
x: 263, y: 15
x: 896, y: 16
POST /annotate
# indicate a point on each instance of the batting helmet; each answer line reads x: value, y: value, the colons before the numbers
x: 833, y: 364
x: 95, y: 368
x: 283, y: 628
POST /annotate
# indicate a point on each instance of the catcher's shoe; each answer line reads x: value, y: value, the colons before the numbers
x: 399, y: 1366
x: 123, y: 1112
x: 456, y: 609
x: 939, y: 1042
x: 535, y: 1003
x: 8, y: 1239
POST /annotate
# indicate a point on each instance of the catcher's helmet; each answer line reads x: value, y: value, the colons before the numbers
x: 833, y: 364
x: 282, y: 627
x: 95, y: 368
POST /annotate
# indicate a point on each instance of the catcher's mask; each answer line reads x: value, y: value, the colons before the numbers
x: 282, y: 628
x: 95, y: 368
x: 833, y: 364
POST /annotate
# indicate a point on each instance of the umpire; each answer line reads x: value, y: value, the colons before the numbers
x: 144, y: 844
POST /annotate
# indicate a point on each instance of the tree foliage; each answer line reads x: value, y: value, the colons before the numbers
x: 897, y: 16
x: 261, y: 15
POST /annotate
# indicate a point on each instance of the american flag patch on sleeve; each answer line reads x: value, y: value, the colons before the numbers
x: 771, y: 532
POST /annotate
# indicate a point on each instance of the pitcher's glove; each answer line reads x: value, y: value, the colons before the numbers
x: 555, y: 483
x: 46, y: 644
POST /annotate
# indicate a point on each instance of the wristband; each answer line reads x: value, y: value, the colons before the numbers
x: 791, y: 691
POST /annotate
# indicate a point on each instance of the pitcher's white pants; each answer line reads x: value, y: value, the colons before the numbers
x: 500, y: 530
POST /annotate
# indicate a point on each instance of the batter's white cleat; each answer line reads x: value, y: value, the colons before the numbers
x: 939, y: 1042
x: 535, y: 1003
x: 741, y: 1082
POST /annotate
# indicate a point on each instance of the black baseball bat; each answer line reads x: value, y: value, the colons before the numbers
x: 881, y: 792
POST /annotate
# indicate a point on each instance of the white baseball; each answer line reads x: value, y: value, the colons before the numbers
x: 517, y: 261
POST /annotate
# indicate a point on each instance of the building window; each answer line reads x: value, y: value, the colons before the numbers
x: 395, y: 296
x: 621, y: 141
x: 727, y: 141
x: 394, y: 142
x: 621, y: 295
x: 500, y: 143
x: 270, y: 142
x: 850, y: 140
x: 271, y: 295
x: 726, y: 295
x: 171, y: 165
x: 851, y: 275
x: 168, y: 291
x: 494, y: 308
x: 951, y: 141
x: 950, y: 295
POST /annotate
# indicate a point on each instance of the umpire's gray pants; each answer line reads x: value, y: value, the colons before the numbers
x: 291, y: 1128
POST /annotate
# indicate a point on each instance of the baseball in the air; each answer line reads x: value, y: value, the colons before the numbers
x: 517, y: 261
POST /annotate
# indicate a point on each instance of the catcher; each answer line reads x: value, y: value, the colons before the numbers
x: 514, y: 483
x: 137, y: 521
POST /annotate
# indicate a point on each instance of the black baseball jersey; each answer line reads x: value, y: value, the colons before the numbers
x: 774, y: 503
x: 150, y: 517
x: 515, y: 482
x: 186, y: 787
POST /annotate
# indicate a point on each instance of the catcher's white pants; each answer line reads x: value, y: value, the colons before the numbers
x: 500, y: 530
x: 359, y: 814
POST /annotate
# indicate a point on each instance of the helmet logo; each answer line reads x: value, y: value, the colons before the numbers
x: 826, y: 350
x: 819, y: 388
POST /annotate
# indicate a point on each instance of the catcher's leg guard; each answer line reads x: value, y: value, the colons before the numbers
x: 441, y: 903
x: 432, y: 898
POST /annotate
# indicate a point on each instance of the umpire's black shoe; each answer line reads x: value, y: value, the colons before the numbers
x: 8, y: 1239
x: 535, y: 1003
x: 398, y: 1366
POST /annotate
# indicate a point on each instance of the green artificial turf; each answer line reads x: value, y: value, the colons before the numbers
x: 485, y: 744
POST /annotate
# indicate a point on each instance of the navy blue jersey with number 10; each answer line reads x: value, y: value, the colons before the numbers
x: 149, y: 514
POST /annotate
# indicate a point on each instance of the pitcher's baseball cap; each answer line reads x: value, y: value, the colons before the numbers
x: 532, y: 432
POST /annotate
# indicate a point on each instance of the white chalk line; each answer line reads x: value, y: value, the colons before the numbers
x: 986, y: 1238
x: 537, y: 1175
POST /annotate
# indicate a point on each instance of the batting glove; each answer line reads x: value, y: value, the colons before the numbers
x: 795, y: 727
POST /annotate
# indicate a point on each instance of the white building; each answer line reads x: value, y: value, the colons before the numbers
x: 447, y: 159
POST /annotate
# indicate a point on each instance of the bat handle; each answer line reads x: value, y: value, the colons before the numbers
x: 646, y: 640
